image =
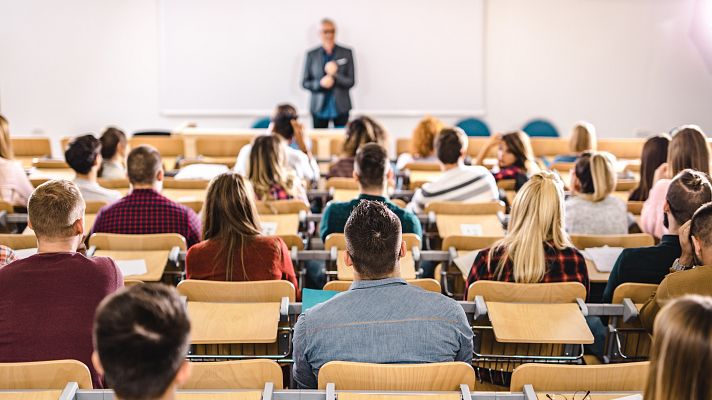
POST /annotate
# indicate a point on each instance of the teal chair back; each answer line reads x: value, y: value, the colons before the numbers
x: 262, y: 123
x: 540, y: 128
x: 474, y: 127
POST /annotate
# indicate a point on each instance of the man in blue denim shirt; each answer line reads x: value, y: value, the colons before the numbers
x: 381, y: 319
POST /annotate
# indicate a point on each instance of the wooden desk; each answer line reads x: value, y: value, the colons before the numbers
x: 451, y: 225
x: 594, y: 275
x: 221, y: 323
x: 346, y: 273
x: 287, y: 224
x: 345, y: 194
x: 410, y: 396
x: 247, y: 395
x: 423, y: 176
x: 185, y: 194
x: 155, y: 262
x: 30, y: 395
x: 53, y: 173
x: 538, y: 323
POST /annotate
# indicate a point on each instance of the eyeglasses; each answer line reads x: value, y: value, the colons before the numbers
x: 587, y: 395
x: 327, y: 31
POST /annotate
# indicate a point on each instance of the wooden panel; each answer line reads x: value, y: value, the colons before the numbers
x: 556, y: 323
x: 618, y: 377
x: 155, y: 262
x: 287, y: 224
x: 157, y: 241
x: 628, y: 148
x: 416, y: 166
x: 251, y: 291
x: 409, y: 396
x: 550, y: 147
x: 222, y: 146
x: 342, y: 183
x: 246, y: 374
x: 637, y: 292
x: 249, y: 395
x: 44, y: 375
x: 465, y: 208
x: 627, y: 241
x: 338, y: 240
x: 31, y: 146
x: 428, y: 284
x: 594, y: 275
x: 34, y: 395
x: 469, y: 243
x: 172, y: 146
x: 452, y: 225
x: 559, y: 292
x: 403, y: 146
x: 635, y: 207
x: 19, y: 242
x: 346, y: 273
x: 345, y: 194
x: 52, y: 173
x: 292, y: 206
x: 216, y: 323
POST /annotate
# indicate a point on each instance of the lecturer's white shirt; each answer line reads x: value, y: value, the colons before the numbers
x: 304, y: 168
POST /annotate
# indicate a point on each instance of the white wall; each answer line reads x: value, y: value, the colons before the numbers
x: 626, y: 65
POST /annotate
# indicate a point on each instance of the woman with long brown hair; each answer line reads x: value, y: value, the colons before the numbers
x: 515, y: 157
x: 234, y: 248
x: 359, y: 131
x: 654, y: 154
x: 269, y: 174
x: 15, y: 187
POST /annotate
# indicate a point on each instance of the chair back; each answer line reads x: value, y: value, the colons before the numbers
x: 221, y: 146
x: 122, y: 183
x: 473, y: 127
x: 292, y: 206
x: 460, y: 208
x: 539, y: 128
x: 244, y: 374
x: 44, y: 375
x: 93, y: 207
x: 422, y: 166
x: 626, y: 241
x: 447, y: 376
x: 18, y: 242
x: 469, y: 243
x: 403, y: 145
x: 261, y: 123
x: 629, y: 148
x: 338, y: 240
x: 168, y: 146
x: 196, y: 184
x: 293, y: 240
x: 549, y: 147
x: 31, y: 146
x: 428, y: 284
x: 336, y: 145
x: 342, y: 183
x: 6, y: 206
x: 635, y: 207
x: 237, y: 292
x: 154, y: 241
x: 48, y: 163
x: 510, y: 292
x: 599, y: 378
x: 639, y: 293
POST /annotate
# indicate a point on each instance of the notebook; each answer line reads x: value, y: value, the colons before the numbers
x: 312, y: 297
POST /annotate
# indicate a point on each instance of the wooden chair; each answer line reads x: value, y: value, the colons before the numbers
x: 18, y: 242
x: 236, y: 292
x: 403, y: 145
x: 559, y: 292
x: 550, y: 147
x: 196, y: 184
x: 48, y: 163
x: 335, y: 146
x: 121, y: 242
x: 629, y: 148
x: 132, y: 282
x: 635, y: 207
x: 628, y: 341
x: 451, y: 277
x: 422, y: 166
x: 435, y: 377
x: 336, y: 242
x: 170, y: 147
x: 93, y: 207
x: 430, y: 285
x: 115, y: 183
x: 44, y: 375
x: 31, y: 147
x: 293, y: 241
x: 221, y: 149
x: 292, y: 206
x: 626, y: 241
x: 245, y: 374
x: 453, y: 217
x: 559, y: 378
x: 187, y: 191
x: 462, y: 243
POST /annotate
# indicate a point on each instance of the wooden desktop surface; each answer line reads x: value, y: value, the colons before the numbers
x: 594, y: 275
x: 346, y: 273
x: 287, y: 224
x: 249, y: 395
x: 155, y: 262
x: 410, y: 396
x: 220, y: 323
x: 30, y: 395
x: 555, y: 323
x: 451, y: 225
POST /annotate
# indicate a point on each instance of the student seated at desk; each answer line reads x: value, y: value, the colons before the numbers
x: 49, y: 299
x: 380, y: 319
x: 145, y: 210
x: 15, y: 186
x: 583, y: 138
x: 373, y: 171
x: 422, y: 143
x: 113, y: 153
x: 515, y: 158
x: 459, y: 182
x: 654, y: 154
x: 234, y: 248
x: 688, y: 191
x: 688, y: 149
x: 359, y: 131
x: 7, y: 255
x: 536, y: 247
x: 681, y: 357
x: 84, y: 156
x: 592, y: 210
x: 271, y: 177
x: 696, y: 278
x: 141, y: 338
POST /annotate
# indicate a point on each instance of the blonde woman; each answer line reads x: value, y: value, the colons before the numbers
x: 583, y: 138
x: 15, y: 187
x: 536, y: 248
x: 269, y: 173
x: 681, y: 357
x: 592, y: 210
x: 422, y: 143
x: 515, y: 157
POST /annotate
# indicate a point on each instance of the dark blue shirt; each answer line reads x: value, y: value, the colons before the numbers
x: 329, y: 110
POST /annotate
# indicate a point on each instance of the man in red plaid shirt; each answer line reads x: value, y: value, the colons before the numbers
x: 145, y: 210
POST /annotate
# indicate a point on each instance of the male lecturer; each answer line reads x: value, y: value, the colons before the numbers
x: 329, y: 73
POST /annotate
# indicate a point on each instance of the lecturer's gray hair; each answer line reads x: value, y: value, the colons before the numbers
x: 328, y: 21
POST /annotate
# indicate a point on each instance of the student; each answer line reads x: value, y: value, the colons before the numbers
x: 422, y: 143
x: 515, y: 158
x: 234, y: 248
x: 681, y: 356
x: 359, y: 131
x: 84, y: 156
x: 688, y: 191
x: 48, y: 299
x: 654, y: 154
x: 695, y: 279
x: 372, y: 171
x: 268, y: 173
x: 141, y: 338
x: 144, y: 210
x: 582, y: 139
x: 592, y: 210
x: 459, y: 182
x: 15, y: 187
x: 380, y: 319
x: 536, y: 247
x: 7, y: 255
x: 113, y: 153
x: 286, y: 126
x: 688, y: 149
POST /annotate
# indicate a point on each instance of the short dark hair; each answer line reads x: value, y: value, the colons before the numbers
x: 82, y: 152
x: 449, y: 145
x: 282, y: 120
x: 371, y: 165
x: 373, y: 239
x: 701, y: 226
x: 141, y: 335
x: 687, y: 192
x: 142, y: 164
x: 110, y: 140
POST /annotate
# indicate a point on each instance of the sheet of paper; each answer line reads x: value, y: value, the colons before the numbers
x: 132, y: 267
x: 604, y: 257
x: 269, y: 228
x: 471, y: 229
x: 465, y: 261
x: 631, y: 397
x: 24, y: 253
x: 311, y: 297
x: 201, y: 171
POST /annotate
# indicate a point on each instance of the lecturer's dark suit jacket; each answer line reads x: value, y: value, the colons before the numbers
x: 344, y: 79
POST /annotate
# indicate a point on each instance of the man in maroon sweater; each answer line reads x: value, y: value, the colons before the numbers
x: 48, y: 300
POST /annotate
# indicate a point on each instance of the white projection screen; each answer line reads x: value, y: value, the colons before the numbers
x: 241, y: 57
